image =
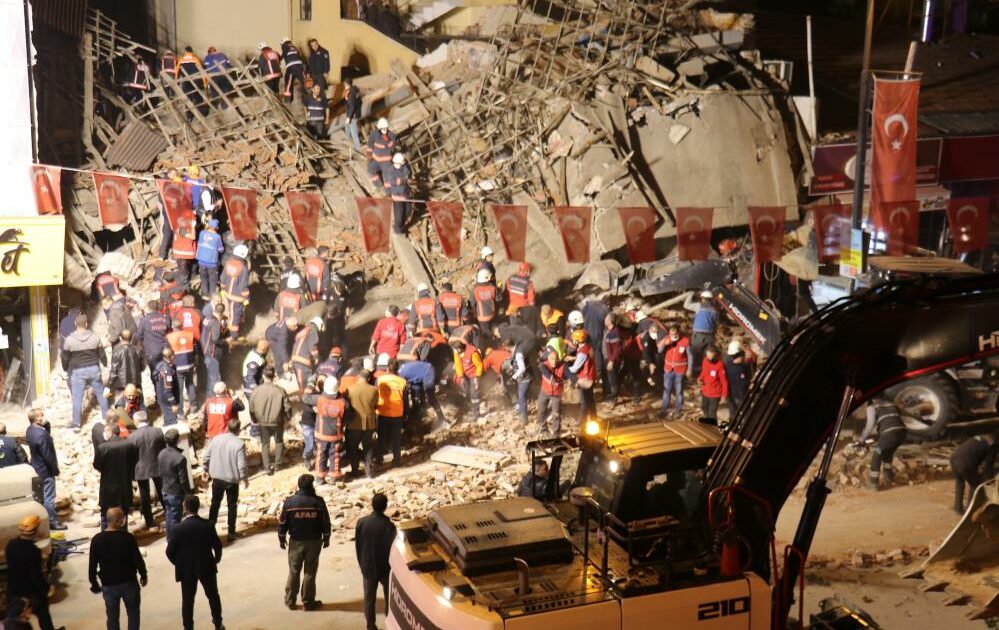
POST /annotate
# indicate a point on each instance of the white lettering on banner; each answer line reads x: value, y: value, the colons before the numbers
x: 989, y: 343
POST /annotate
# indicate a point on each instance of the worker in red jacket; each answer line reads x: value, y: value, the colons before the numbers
x: 675, y: 363
x: 219, y: 410
x: 714, y: 385
x: 389, y: 334
x: 520, y: 289
x: 550, y: 397
x: 468, y: 372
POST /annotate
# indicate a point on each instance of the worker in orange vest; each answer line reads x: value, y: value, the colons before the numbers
x: 184, y: 248
x: 393, y: 404
x: 423, y: 315
x: 236, y: 287
x: 305, y: 352
x: 485, y: 301
x: 188, y: 67
x: 330, y: 410
x: 184, y: 353
x: 520, y: 289
x: 467, y: 371
x: 381, y: 148
x: 290, y: 300
x: 450, y: 306
x: 189, y: 317
x: 317, y: 274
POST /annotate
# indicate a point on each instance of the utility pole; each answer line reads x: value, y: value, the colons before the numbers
x: 865, y: 90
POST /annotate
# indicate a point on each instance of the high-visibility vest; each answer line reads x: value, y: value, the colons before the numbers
x: 382, y: 146
x: 269, y: 64
x: 190, y: 319
x: 413, y: 347
x: 231, y: 274
x: 676, y: 357
x: 329, y: 418
x: 468, y: 367
x: 426, y: 314
x: 289, y: 302
x: 182, y: 344
x: 218, y: 413
x: 485, y: 302
x: 589, y: 369
x: 391, y: 395
x: 553, y: 380
x: 315, y: 273
x: 184, y: 248
x: 451, y: 305
x: 519, y: 287
x: 302, y: 352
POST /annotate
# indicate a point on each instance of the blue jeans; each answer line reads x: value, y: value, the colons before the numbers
x: 114, y: 594
x: 213, y: 374
x: 522, y: 388
x: 49, y: 497
x: 309, y: 446
x: 79, y: 380
x: 350, y: 130
x: 185, y: 381
x: 163, y: 399
x: 171, y: 517
x: 672, y: 380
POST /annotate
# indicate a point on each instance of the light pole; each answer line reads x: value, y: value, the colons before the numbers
x: 861, y: 161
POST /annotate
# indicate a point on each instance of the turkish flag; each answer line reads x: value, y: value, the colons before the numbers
x: 766, y: 226
x: 46, y: 181
x: 899, y: 221
x: 832, y: 230
x: 447, y: 216
x: 969, y: 223
x: 241, y: 205
x: 112, y: 199
x: 893, y: 140
x: 375, y: 217
x: 693, y: 232
x: 574, y: 224
x: 176, y: 197
x: 304, y: 208
x: 511, y: 221
x: 639, y: 225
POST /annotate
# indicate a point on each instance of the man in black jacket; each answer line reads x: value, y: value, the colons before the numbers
x: 306, y: 519
x: 153, y: 328
x: 973, y: 462
x: 11, y: 453
x: 44, y: 461
x: 148, y: 441
x: 25, y: 579
x: 115, y: 557
x: 82, y: 357
x: 352, y: 98
x: 126, y: 366
x: 172, y: 466
x: 195, y: 551
x: 319, y: 63
x: 373, y: 539
x: 115, y: 459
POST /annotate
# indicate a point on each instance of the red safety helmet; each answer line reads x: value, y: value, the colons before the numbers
x: 336, y: 351
x: 727, y: 247
x: 524, y: 268
x: 212, y: 49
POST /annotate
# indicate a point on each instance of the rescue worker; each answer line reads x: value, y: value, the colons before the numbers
x: 333, y: 365
x: 352, y: 112
x: 236, y: 287
x: 397, y: 184
x: 468, y: 332
x: 213, y: 347
x: 319, y: 64
x: 416, y: 348
x: 305, y: 352
x: 317, y: 274
x: 106, y: 286
x: 317, y: 112
x: 389, y: 334
x: 550, y: 397
x: 189, y: 65
x: 393, y: 405
x: 151, y: 334
x: 220, y: 408
x: 306, y: 520
x: 675, y: 363
x: 421, y: 378
x: 714, y: 385
x: 189, y: 317
x: 168, y: 66
x: 883, y: 418
x: 381, y: 147
x: 167, y: 387
x: 519, y: 288
x: 467, y: 371
x: 584, y: 370
x: 613, y: 350
x: 973, y: 462
x: 210, y: 248
x: 137, y: 83
x: 166, y: 230
x: 423, y: 315
x: 218, y: 66
x: 450, y: 307
x: 551, y: 316
x: 293, y: 68
x: 737, y: 373
x: 330, y: 411
x: 183, y: 344
x: 253, y: 366
x: 705, y: 322
x: 269, y: 66
x: 184, y: 249
x: 484, y: 299
x: 290, y: 300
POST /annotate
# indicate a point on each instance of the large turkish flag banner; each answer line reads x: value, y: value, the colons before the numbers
x: 112, y: 199
x: 375, y: 218
x: 46, y: 181
x: 969, y: 223
x: 304, y: 208
x: 511, y: 222
x: 893, y: 140
x: 447, y: 216
x: 241, y: 206
x: 766, y: 226
x: 639, y: 226
x: 899, y: 220
x: 693, y: 232
x: 832, y: 230
x: 574, y: 224
x: 176, y: 198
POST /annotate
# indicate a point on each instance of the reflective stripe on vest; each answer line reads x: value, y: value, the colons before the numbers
x: 485, y: 302
x: 232, y: 271
x: 451, y: 304
x: 426, y: 313
x: 518, y: 284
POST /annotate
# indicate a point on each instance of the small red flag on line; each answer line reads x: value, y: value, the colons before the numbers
x: 176, y: 198
x: 574, y: 223
x: 511, y: 222
x: 241, y: 206
x: 46, y: 181
x: 304, y: 208
x: 693, y: 232
x: 112, y: 199
x: 969, y: 223
x: 375, y: 218
x: 899, y: 221
x: 639, y: 225
x: 447, y: 217
x: 766, y: 227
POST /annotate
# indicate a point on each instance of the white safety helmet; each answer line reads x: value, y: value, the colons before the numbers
x: 639, y: 316
x: 317, y: 322
x: 422, y: 287
x: 382, y: 124
x: 383, y: 359
x: 734, y: 347
x: 398, y: 159
x: 368, y: 364
x: 285, y: 40
x: 241, y: 251
x: 261, y: 45
x: 331, y: 385
x: 483, y: 276
x: 706, y: 295
x: 575, y: 318
x: 294, y: 281
x: 486, y: 252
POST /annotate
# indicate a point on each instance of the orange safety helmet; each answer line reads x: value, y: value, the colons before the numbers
x: 524, y: 268
x: 579, y: 336
x: 29, y: 525
x: 727, y: 247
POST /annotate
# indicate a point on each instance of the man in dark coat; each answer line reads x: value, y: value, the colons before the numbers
x: 126, y: 366
x: 148, y: 441
x: 373, y: 539
x: 195, y: 551
x: 11, y: 453
x: 44, y: 461
x: 115, y: 459
x: 25, y: 580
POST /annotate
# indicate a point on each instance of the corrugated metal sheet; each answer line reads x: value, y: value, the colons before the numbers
x: 962, y: 122
x: 65, y: 16
x: 136, y: 147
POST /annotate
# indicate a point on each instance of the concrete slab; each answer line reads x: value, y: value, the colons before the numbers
x: 410, y: 261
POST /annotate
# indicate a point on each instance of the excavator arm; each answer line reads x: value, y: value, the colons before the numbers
x: 824, y: 368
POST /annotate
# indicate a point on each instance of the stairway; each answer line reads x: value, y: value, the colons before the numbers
x: 423, y: 12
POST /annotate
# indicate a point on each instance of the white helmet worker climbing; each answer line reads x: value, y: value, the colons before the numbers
x: 331, y: 386
x: 575, y: 318
x: 486, y: 252
x: 261, y: 45
x: 483, y: 276
x: 294, y: 281
x: 241, y: 251
x: 382, y: 124
x: 398, y: 159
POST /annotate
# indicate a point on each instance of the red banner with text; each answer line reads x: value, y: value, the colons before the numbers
x: 832, y: 230
x: 176, y: 198
x: 447, y: 217
x: 375, y: 218
x: 511, y: 222
x: 899, y: 222
x: 574, y: 224
x: 46, y: 181
x: 304, y: 208
x: 969, y: 223
x: 639, y: 226
x: 893, y: 140
x: 112, y: 199
x: 241, y: 206
x: 766, y: 226
x: 693, y: 232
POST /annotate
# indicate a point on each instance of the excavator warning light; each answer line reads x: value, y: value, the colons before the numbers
x: 614, y: 466
x: 592, y: 427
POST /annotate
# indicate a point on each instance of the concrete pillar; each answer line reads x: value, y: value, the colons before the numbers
x: 39, y: 326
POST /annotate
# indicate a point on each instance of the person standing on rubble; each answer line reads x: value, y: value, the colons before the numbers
x: 973, y: 462
x: 520, y: 289
x: 362, y: 397
x: 389, y: 334
x: 172, y: 467
x: 737, y: 373
x: 115, y: 459
x: 209, y: 250
x: 220, y: 409
x: 269, y: 66
x: 270, y: 409
x: 705, y: 323
x: 317, y: 112
x: 82, y: 357
x: 883, y: 417
x: 45, y: 461
x: 352, y: 112
x: 167, y: 387
x: 126, y: 366
x: 306, y: 520
x: 584, y: 370
x: 184, y: 249
x: 188, y: 66
x: 224, y: 463
x: 550, y: 396
x: 305, y: 351
x: 213, y: 347
x: 714, y: 385
x: 450, y: 307
x: 381, y: 147
x: 393, y: 405
x: 253, y: 366
x: 218, y: 66
x: 319, y: 64
x: 183, y: 344
x: 397, y: 184
x: 329, y: 431
x: 149, y: 442
x: 594, y: 311
x: 675, y: 363
x: 236, y: 287
x: 467, y: 372
x: 294, y: 69
x: 485, y: 301
x: 151, y: 335
x: 317, y: 274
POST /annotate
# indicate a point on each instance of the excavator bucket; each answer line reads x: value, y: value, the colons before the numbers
x: 968, y: 559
